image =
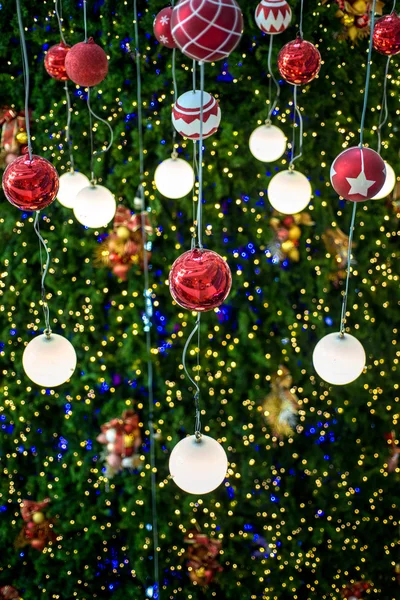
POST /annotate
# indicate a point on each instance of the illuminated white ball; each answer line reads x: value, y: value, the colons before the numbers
x: 339, y: 360
x: 111, y: 435
x: 174, y: 178
x: 49, y: 362
x: 289, y: 192
x: 267, y: 143
x: 198, y: 467
x: 71, y: 184
x: 95, y: 206
x: 389, y: 184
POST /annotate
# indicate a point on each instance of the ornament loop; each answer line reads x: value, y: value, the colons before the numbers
x: 47, y: 332
x: 174, y: 155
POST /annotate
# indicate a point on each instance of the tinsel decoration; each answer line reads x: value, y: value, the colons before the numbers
x: 14, y: 138
x: 356, y: 590
x: 354, y: 16
x: 123, y: 248
x: 38, y: 529
x: 122, y: 439
x: 286, y: 235
x: 280, y: 407
x: 337, y: 244
x: 7, y: 592
x: 202, y: 556
x: 393, y: 458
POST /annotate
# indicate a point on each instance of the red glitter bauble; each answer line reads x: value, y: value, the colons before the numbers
x: 30, y: 184
x: 162, y: 28
x: 86, y: 63
x: 207, y: 30
x: 358, y: 174
x: 299, y: 62
x: 273, y: 16
x: 54, y: 61
x: 200, y: 280
x: 386, y: 37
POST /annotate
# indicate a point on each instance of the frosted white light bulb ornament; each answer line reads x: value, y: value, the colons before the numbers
x: 71, y: 184
x: 339, y: 359
x: 267, y: 143
x: 95, y: 206
x: 49, y: 360
x: 389, y: 184
x: 198, y: 465
x: 289, y: 192
x: 174, y: 177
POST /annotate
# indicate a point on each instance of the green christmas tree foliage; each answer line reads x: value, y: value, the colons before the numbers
x: 298, y: 517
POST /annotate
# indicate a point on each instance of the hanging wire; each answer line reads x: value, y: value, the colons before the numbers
x: 200, y: 198
x: 301, y: 19
x: 94, y: 152
x: 194, y: 76
x: 272, y: 79
x: 59, y: 21
x: 394, y: 7
x: 25, y: 63
x: 194, y: 210
x: 353, y: 217
x: 383, y: 117
x: 68, y: 128
x: 85, y: 20
x: 197, y: 426
x: 297, y: 111
x: 44, y: 272
x: 175, y: 85
x: 148, y: 311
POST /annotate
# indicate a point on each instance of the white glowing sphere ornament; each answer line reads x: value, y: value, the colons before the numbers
x: 339, y: 359
x: 389, y: 184
x: 289, y: 192
x: 267, y: 143
x: 198, y: 466
x: 95, y: 206
x: 174, y: 178
x: 71, y: 184
x: 49, y: 361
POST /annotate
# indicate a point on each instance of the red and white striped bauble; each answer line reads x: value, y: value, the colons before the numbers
x: 207, y: 30
x: 186, y: 115
x: 162, y: 28
x: 273, y: 16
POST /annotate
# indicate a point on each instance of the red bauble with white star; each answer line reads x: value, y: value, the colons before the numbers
x: 358, y: 174
x: 162, y: 28
x: 207, y: 30
x: 273, y: 16
x: 186, y: 115
x: 386, y: 37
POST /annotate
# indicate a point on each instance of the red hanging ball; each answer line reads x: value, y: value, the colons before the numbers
x: 299, y: 62
x: 386, y: 36
x: 200, y: 280
x: 30, y: 184
x: 358, y: 174
x: 86, y: 64
x: 273, y: 16
x: 162, y: 28
x: 54, y: 61
x: 207, y: 30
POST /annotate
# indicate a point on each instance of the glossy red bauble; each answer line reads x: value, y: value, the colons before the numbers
x: 386, y: 37
x: 207, y: 30
x: 162, y: 28
x: 54, y: 61
x: 273, y: 16
x: 86, y: 64
x: 30, y: 184
x: 358, y: 174
x: 299, y: 62
x: 200, y: 280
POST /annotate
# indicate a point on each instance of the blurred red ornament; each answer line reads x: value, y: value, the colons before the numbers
x: 207, y: 30
x: 358, y: 174
x: 30, y: 184
x: 386, y: 37
x: 299, y: 62
x: 273, y: 16
x: 54, y: 61
x: 200, y: 280
x: 121, y: 271
x: 86, y: 63
x: 162, y: 28
x: 361, y: 22
x: 38, y: 544
x: 7, y: 592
